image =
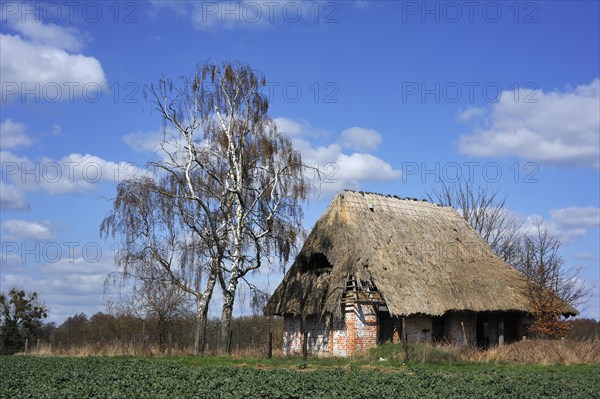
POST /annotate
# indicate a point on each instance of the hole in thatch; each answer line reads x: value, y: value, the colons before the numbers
x: 317, y: 263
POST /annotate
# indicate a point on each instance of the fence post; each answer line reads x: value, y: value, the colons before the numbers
x: 26, y: 345
x: 405, y: 340
x: 37, y: 347
x: 304, y: 336
x: 170, y: 343
x: 270, y: 346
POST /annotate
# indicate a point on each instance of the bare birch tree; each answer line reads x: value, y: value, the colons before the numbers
x: 226, y: 195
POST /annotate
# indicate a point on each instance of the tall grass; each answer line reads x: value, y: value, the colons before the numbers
x: 542, y: 352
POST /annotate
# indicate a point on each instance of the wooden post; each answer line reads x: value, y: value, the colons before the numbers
x: 26, y: 345
x: 270, y: 346
x: 462, y: 326
x: 405, y: 340
x: 304, y: 339
x: 37, y: 347
x: 501, y: 331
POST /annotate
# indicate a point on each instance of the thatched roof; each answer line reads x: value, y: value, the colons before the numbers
x: 423, y: 259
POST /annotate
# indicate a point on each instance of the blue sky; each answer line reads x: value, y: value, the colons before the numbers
x: 392, y: 97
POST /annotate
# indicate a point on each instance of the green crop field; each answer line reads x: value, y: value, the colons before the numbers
x: 145, y: 378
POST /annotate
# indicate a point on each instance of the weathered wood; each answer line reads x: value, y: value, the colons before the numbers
x: 405, y: 340
x: 462, y: 326
x: 270, y: 346
x: 26, y: 345
x: 501, y: 331
x: 304, y: 339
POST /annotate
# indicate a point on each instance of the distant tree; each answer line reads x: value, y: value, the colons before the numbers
x: 584, y: 329
x: 152, y: 297
x: 74, y: 331
x: 21, y: 317
x: 225, y: 196
x: 553, y: 287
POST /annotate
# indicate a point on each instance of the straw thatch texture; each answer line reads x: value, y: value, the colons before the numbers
x: 423, y: 259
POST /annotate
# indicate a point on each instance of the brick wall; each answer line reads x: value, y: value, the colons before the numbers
x: 318, y: 336
x: 418, y: 328
x: 364, y: 327
x: 292, y: 336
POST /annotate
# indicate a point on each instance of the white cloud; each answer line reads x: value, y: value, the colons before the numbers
x: 575, y: 216
x: 582, y: 256
x: 52, y: 35
x: 13, y: 134
x: 333, y: 169
x: 12, y: 199
x: 296, y: 129
x: 144, y: 142
x: 74, y: 173
x: 360, y: 139
x: 567, y: 224
x: 25, y: 230
x: 469, y: 114
x: 555, y: 127
x: 72, y: 284
x: 42, y: 59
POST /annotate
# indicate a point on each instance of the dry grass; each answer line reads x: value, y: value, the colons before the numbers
x: 544, y: 352
x: 107, y: 350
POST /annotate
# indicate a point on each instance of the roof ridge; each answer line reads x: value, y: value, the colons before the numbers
x: 394, y: 196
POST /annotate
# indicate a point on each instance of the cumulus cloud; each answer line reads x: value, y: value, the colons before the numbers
x: 582, y: 256
x: 568, y: 224
x: 12, y: 199
x: 469, y: 114
x: 74, y: 173
x: 45, y: 58
x: 26, y: 230
x: 576, y: 216
x: 555, y: 127
x: 360, y: 139
x: 13, y: 134
x: 65, y: 295
x: 144, y: 142
x: 67, y: 38
x: 332, y: 168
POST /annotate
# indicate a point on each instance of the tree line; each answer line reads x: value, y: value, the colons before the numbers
x: 121, y: 331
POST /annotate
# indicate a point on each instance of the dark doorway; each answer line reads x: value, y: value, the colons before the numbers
x: 512, y: 324
x: 438, y: 326
x: 483, y: 331
x: 386, y: 327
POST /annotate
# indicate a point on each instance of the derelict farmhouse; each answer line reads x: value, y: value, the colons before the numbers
x: 379, y: 268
